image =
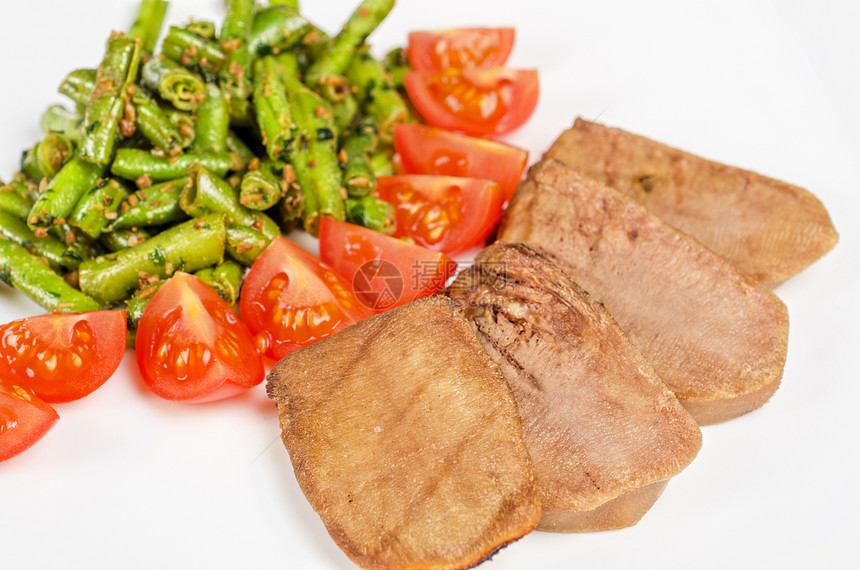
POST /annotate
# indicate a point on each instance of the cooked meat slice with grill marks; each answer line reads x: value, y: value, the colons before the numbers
x: 406, y: 440
x: 603, y: 431
x: 715, y: 337
x: 767, y: 229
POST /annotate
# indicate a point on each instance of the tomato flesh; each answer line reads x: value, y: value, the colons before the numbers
x: 385, y: 272
x: 489, y: 101
x: 459, y: 48
x: 290, y: 299
x: 63, y: 356
x: 442, y: 213
x: 430, y: 150
x: 24, y: 419
x: 191, y: 347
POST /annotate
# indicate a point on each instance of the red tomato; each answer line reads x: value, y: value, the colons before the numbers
x: 191, y: 347
x: 24, y: 419
x: 63, y: 356
x: 460, y: 48
x: 385, y: 272
x: 428, y: 150
x: 443, y: 213
x: 290, y: 299
x: 476, y: 101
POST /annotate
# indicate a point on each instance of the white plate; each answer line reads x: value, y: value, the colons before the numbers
x: 126, y: 480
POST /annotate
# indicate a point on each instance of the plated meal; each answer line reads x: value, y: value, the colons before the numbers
x: 433, y: 412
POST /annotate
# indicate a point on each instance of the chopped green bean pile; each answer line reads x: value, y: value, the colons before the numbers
x: 195, y: 154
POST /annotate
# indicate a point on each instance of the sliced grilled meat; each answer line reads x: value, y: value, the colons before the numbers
x: 405, y: 438
x: 603, y: 431
x: 715, y: 337
x: 767, y: 229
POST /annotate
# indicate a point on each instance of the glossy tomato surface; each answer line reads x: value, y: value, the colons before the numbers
x: 63, y: 356
x: 291, y: 299
x: 24, y: 419
x: 430, y: 50
x: 490, y: 101
x: 430, y: 150
x: 191, y: 347
x: 443, y: 213
x: 385, y: 271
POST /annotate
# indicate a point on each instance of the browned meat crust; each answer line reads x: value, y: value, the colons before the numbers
x: 716, y: 338
x: 767, y: 229
x: 603, y: 431
x: 406, y: 440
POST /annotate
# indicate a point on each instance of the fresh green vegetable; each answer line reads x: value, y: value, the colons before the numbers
x: 372, y: 213
x: 61, y: 195
x: 355, y: 151
x: 147, y: 23
x: 48, y: 156
x: 132, y: 163
x: 156, y: 205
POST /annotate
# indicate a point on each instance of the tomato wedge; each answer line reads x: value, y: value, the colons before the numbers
x: 489, y: 101
x: 430, y: 150
x: 63, y: 356
x: 24, y: 419
x: 443, y: 213
x: 191, y: 347
x: 461, y: 48
x: 385, y: 272
x: 290, y: 299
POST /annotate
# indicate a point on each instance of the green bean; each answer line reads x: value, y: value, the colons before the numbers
x: 275, y: 29
x: 273, y: 112
x: 98, y: 207
x: 106, y: 106
x: 153, y: 206
x: 245, y: 244
x: 291, y: 207
x: 203, y: 28
x: 23, y: 186
x: 131, y: 163
x: 123, y: 239
x: 78, y: 86
x: 193, y: 51
x: 225, y: 278
x: 292, y: 4
x: 326, y: 71
x: 382, y: 163
x: 24, y: 271
x: 183, y: 122
x: 58, y: 255
x: 260, y: 189
x: 372, y: 213
x: 357, y: 146
x: 234, y: 78
x: 48, y: 156
x: 57, y: 119
x: 154, y: 124
x: 16, y: 203
x: 344, y: 112
x: 241, y: 154
x: 213, y: 123
x: 397, y: 65
x: 64, y: 190
x: 189, y: 246
x: 182, y: 88
x: 147, y: 23
x: 376, y: 94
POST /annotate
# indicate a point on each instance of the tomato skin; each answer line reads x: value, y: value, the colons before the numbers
x: 443, y: 213
x: 392, y: 271
x: 430, y: 50
x: 291, y: 299
x: 191, y: 347
x: 489, y: 101
x: 63, y: 356
x: 24, y: 419
x: 430, y: 150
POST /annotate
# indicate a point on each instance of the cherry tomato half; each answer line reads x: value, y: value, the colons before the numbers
x: 24, y: 419
x: 191, y: 347
x: 461, y: 48
x: 385, y: 272
x: 291, y: 299
x: 430, y: 150
x: 63, y: 356
x: 443, y: 213
x: 476, y: 101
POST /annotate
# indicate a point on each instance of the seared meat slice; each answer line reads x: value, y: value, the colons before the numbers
x: 715, y: 337
x: 603, y: 431
x: 405, y: 438
x: 767, y: 229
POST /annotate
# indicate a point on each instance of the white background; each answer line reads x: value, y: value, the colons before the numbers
x: 125, y: 480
